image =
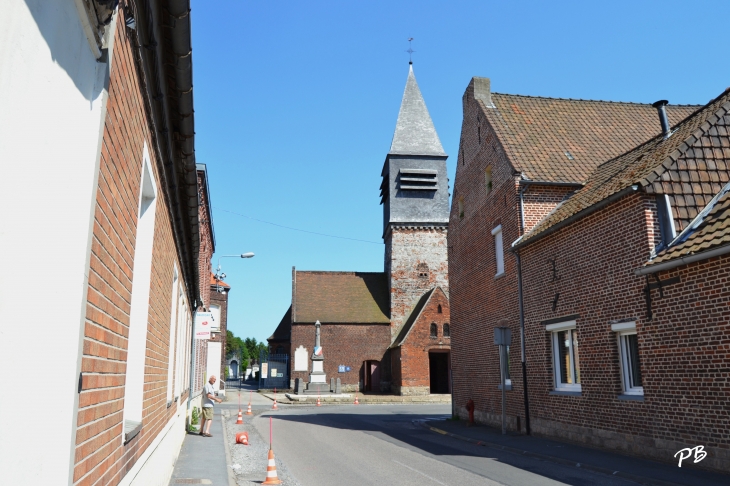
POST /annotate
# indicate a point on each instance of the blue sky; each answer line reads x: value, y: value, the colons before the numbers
x: 296, y: 103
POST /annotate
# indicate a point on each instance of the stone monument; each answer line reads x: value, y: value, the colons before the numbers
x: 317, y: 378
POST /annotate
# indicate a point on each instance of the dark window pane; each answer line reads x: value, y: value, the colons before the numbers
x: 434, y: 330
x: 447, y: 330
x: 632, y: 343
x: 576, y: 363
x: 564, y: 355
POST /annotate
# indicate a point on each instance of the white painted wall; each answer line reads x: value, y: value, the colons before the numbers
x: 52, y: 94
x: 214, y: 363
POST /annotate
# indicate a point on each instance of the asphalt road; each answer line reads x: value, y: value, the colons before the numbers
x: 384, y: 444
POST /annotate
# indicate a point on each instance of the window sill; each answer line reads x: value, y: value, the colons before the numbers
x: 131, y: 429
x: 635, y: 398
x: 566, y: 393
x: 499, y: 275
x: 507, y: 387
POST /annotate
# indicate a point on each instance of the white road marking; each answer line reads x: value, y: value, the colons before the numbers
x: 419, y: 472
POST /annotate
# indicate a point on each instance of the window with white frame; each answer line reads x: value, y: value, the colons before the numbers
x: 181, y: 323
x: 628, y: 349
x: 173, y: 332
x: 498, y: 249
x: 566, y: 365
x: 139, y: 308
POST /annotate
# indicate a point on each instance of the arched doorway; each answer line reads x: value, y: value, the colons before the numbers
x: 234, y: 369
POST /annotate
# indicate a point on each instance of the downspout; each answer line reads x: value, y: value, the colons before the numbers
x: 523, y: 188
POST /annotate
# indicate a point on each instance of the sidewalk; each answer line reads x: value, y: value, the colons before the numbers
x: 203, y: 460
x: 642, y: 471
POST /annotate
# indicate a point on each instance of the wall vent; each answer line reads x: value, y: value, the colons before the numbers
x: 417, y: 180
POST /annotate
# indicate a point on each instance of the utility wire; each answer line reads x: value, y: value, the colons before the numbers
x: 296, y: 229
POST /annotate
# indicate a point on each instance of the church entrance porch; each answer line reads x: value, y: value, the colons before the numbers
x: 438, y: 366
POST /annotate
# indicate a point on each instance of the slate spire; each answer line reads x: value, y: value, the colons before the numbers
x: 414, y: 130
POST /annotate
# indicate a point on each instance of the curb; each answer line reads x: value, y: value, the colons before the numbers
x: 229, y: 460
x: 557, y: 460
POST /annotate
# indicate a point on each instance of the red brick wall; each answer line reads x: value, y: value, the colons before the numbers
x: 342, y: 344
x: 479, y: 302
x: 683, y: 350
x: 410, y: 360
x: 204, y: 269
x: 100, y: 456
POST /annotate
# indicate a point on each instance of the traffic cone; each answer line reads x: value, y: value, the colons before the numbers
x: 242, y: 438
x: 249, y: 412
x: 356, y: 402
x: 318, y: 403
x: 275, y: 407
x: 240, y: 417
x: 271, y: 477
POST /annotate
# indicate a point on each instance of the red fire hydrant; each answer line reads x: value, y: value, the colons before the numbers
x: 470, y: 409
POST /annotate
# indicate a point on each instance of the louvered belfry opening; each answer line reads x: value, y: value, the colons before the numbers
x: 417, y: 180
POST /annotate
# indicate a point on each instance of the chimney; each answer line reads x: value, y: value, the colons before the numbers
x: 659, y: 105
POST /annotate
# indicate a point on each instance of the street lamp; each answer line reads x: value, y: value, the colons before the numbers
x: 219, y: 275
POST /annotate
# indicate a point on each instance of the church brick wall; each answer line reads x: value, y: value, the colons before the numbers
x: 411, y: 372
x: 342, y: 344
x: 405, y: 249
x: 100, y: 456
x: 683, y: 348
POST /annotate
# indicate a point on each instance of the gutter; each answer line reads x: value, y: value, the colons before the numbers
x: 678, y: 262
x: 519, y: 243
x: 165, y: 64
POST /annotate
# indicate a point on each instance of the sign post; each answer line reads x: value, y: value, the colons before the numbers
x: 502, y: 338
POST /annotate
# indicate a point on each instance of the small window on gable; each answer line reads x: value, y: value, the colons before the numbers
x: 440, y: 310
x: 422, y: 270
x: 488, y: 180
x: 461, y: 208
x: 498, y: 250
x: 434, y: 330
x: 447, y: 330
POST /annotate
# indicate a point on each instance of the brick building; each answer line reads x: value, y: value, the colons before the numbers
x: 114, y: 231
x: 519, y: 157
x: 375, y: 322
x: 626, y: 299
x: 217, y: 361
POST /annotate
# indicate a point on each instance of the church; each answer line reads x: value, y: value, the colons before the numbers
x: 386, y: 332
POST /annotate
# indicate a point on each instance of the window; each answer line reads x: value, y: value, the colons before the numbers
x: 488, y: 180
x: 216, y: 311
x: 440, y: 310
x: 628, y: 347
x: 422, y: 270
x: 461, y: 208
x: 447, y: 330
x: 434, y: 330
x: 565, y: 356
x: 139, y: 308
x: 498, y: 250
x: 173, y: 330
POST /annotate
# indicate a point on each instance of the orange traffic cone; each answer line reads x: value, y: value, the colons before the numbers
x: 271, y: 477
x: 240, y: 417
x: 249, y: 412
x: 242, y: 438
x: 318, y: 403
x: 356, y: 402
x: 275, y: 407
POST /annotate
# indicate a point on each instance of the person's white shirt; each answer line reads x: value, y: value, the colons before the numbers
x: 208, y: 402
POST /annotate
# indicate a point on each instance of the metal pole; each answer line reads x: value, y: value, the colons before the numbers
x: 502, y: 359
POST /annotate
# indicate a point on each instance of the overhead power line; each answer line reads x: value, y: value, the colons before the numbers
x: 297, y: 229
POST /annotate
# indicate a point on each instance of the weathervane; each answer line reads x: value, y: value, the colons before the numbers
x: 410, y: 51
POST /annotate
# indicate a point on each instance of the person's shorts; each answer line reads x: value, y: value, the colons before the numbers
x: 208, y: 413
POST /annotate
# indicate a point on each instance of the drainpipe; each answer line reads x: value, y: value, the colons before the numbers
x: 523, y: 188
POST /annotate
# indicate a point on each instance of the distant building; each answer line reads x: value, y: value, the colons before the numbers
x: 217, y: 361
x: 375, y: 323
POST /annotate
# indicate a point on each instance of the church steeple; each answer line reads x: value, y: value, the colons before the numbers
x: 414, y: 130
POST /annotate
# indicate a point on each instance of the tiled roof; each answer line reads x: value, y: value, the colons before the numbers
x: 537, y: 132
x: 283, y: 330
x: 709, y: 230
x: 220, y: 282
x: 649, y: 164
x: 342, y: 297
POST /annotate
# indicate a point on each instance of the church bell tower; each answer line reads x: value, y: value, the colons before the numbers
x: 415, y: 198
